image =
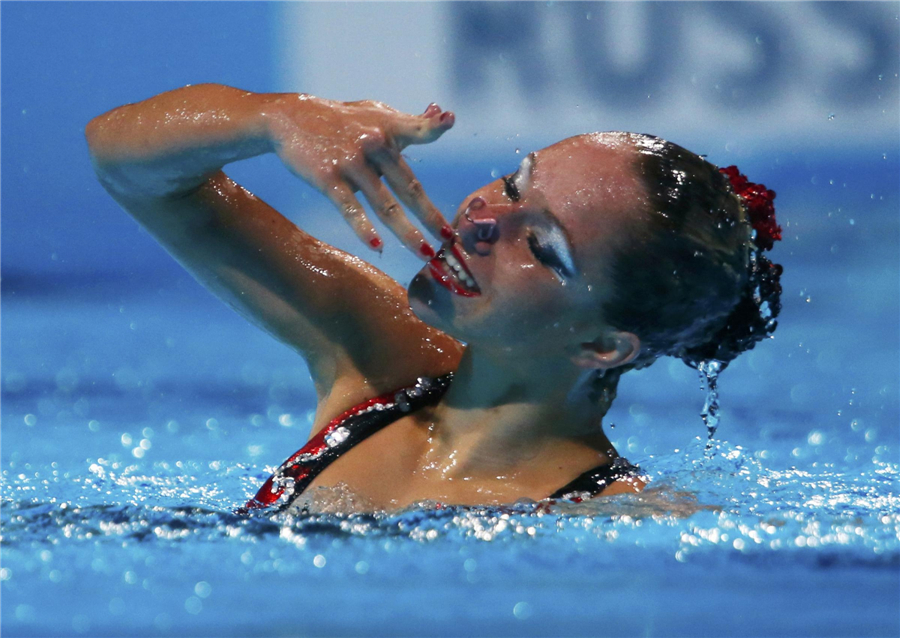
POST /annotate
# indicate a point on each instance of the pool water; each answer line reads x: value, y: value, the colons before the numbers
x: 138, y: 412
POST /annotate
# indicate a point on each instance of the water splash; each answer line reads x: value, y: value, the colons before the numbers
x: 709, y: 376
x: 694, y: 506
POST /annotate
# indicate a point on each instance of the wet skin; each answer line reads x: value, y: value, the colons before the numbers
x: 514, y: 422
x: 508, y: 427
x: 587, y: 187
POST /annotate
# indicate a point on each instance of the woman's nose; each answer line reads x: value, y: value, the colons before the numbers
x: 485, y: 227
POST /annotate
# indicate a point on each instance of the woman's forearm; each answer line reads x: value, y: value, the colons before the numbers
x: 171, y: 143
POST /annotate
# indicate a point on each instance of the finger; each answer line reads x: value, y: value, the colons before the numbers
x: 390, y: 212
x: 431, y: 109
x: 422, y: 129
x: 408, y: 188
x: 341, y: 195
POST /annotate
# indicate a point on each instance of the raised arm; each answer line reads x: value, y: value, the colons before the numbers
x: 161, y: 160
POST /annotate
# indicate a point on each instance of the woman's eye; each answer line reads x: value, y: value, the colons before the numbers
x: 547, y: 257
x: 510, y: 188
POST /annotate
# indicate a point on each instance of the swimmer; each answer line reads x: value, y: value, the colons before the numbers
x: 488, y: 379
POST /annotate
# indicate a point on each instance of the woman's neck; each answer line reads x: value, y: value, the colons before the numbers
x: 503, y: 413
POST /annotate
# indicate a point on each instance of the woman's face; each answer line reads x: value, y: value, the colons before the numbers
x: 535, y: 278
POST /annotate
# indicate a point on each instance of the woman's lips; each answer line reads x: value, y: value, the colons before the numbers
x: 449, y: 270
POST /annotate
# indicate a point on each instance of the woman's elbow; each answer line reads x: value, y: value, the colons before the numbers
x: 100, y: 138
x: 99, y: 151
x: 118, y: 170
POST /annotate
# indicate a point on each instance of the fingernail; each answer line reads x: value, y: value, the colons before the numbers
x: 427, y: 250
x: 447, y: 118
x: 375, y: 243
x: 447, y: 232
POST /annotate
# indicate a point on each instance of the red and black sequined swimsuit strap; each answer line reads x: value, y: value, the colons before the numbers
x: 342, y: 433
x: 593, y: 482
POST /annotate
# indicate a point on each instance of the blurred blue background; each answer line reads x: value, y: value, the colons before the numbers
x: 105, y: 338
x: 802, y: 96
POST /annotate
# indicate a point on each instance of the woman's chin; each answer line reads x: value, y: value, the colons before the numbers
x: 430, y: 302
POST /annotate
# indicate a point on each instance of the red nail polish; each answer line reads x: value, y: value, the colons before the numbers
x: 447, y: 118
x: 447, y: 232
x: 427, y: 250
x: 375, y: 243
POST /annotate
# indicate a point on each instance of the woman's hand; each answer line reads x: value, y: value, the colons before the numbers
x: 344, y: 147
x: 162, y: 160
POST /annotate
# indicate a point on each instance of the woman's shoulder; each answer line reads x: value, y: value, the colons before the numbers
x: 354, y: 389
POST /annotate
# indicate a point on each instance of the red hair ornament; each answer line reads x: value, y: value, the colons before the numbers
x: 759, y: 203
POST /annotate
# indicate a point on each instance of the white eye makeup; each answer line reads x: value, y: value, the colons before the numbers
x: 546, y: 239
x: 550, y: 246
x: 514, y: 184
x: 522, y: 176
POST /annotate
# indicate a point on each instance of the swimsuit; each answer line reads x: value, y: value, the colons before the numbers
x: 362, y: 421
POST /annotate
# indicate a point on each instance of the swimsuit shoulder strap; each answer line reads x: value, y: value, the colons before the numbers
x: 362, y: 421
x: 593, y: 482
x: 341, y: 434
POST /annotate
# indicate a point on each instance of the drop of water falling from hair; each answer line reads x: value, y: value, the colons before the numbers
x: 709, y: 375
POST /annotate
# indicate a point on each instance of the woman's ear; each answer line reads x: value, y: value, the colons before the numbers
x: 611, y: 351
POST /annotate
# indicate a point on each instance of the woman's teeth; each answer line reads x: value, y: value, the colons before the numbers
x: 450, y: 272
x: 458, y: 269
